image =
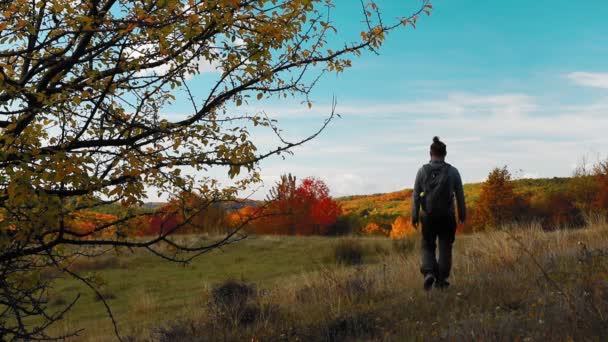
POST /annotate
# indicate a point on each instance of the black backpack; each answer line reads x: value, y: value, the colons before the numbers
x: 436, y: 193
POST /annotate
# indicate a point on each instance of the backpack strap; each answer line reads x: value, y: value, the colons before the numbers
x: 446, y: 173
x: 427, y: 173
x: 446, y: 170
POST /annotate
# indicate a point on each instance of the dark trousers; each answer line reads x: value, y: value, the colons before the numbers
x: 442, y: 231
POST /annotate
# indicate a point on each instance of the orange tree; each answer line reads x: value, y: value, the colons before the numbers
x: 83, y: 85
x: 498, y: 203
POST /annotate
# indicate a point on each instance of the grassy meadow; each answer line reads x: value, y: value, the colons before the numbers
x: 517, y: 284
x: 143, y: 289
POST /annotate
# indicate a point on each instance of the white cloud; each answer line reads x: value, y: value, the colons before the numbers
x: 589, y: 79
x: 534, y: 138
x: 452, y: 104
x: 378, y: 147
x: 201, y: 64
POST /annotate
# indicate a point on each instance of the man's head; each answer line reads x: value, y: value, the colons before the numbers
x: 438, y: 149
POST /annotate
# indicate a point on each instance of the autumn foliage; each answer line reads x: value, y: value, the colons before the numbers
x: 498, y: 203
x: 401, y: 228
x: 87, y: 223
x: 373, y: 228
x: 186, y: 214
x: 600, y: 202
x: 558, y: 210
x: 305, y: 208
x: 292, y: 208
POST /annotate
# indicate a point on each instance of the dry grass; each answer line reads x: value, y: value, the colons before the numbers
x: 144, y: 302
x: 516, y: 284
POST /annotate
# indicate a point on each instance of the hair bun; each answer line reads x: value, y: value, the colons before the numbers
x: 436, y: 140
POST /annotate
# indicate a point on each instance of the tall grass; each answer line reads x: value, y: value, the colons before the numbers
x: 515, y: 284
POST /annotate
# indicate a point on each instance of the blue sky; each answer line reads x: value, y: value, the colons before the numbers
x: 517, y: 83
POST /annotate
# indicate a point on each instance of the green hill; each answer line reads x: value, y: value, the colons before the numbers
x: 399, y: 202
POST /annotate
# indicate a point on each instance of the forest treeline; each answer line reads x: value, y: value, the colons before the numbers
x: 305, y: 207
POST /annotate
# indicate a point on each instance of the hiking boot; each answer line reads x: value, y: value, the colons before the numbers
x: 442, y: 284
x: 429, y: 279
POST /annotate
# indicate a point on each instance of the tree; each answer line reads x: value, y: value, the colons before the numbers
x: 323, y: 211
x: 584, y: 186
x: 497, y: 202
x: 304, y: 209
x: 83, y: 85
x: 191, y: 213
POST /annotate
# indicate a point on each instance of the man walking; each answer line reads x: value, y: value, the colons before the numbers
x: 437, y: 184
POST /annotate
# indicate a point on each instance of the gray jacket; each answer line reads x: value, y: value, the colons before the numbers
x: 455, y: 184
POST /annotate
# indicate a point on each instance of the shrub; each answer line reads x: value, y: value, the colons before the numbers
x: 230, y: 302
x: 344, y: 225
x: 373, y: 228
x: 349, y: 252
x: 558, y: 210
x: 402, y: 227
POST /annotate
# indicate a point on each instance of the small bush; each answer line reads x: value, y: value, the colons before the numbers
x: 344, y: 225
x: 349, y: 252
x: 558, y: 211
x: 230, y: 302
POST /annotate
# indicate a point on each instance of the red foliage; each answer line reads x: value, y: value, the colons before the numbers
x: 304, y: 209
x: 158, y: 224
x: 323, y: 210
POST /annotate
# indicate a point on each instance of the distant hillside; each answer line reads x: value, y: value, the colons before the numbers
x: 392, y: 204
x: 399, y: 202
x: 152, y: 206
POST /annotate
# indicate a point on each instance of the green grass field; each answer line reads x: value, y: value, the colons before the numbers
x: 166, y: 290
x: 524, y: 284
